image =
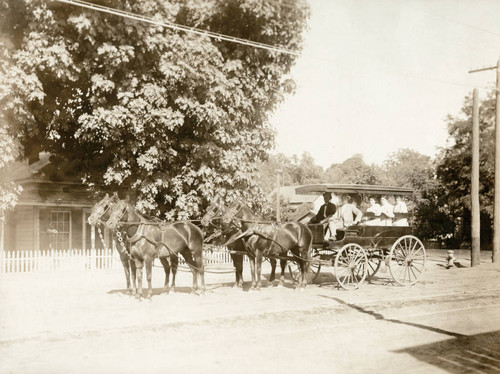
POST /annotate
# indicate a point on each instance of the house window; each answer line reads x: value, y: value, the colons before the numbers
x: 60, y: 230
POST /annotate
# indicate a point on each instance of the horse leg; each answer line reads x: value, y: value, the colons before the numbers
x: 198, y: 259
x: 188, y: 257
x: 238, y: 268
x: 166, y: 266
x: 126, y: 269
x: 149, y: 275
x: 303, y: 265
x: 139, y: 264
x: 174, y: 261
x: 282, y: 276
x: 272, y: 277
x: 252, y: 270
x: 133, y: 273
x: 258, y: 260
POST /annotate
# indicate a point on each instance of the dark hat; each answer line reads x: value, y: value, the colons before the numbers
x: 327, y: 195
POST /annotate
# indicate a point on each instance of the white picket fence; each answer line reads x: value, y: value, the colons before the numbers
x: 79, y: 260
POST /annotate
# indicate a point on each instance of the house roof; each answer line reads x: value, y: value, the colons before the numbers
x: 40, y: 189
x: 23, y: 170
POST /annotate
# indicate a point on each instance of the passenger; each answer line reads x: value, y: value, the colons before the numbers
x: 373, y: 213
x: 400, y: 212
x: 347, y: 215
x: 387, y: 213
x: 325, y: 211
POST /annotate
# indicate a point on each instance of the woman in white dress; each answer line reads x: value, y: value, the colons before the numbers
x: 387, y: 212
x: 373, y: 213
x: 400, y: 213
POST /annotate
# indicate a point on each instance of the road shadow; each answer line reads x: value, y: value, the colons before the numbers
x: 210, y: 287
x: 478, y: 353
x: 156, y: 291
x: 379, y: 316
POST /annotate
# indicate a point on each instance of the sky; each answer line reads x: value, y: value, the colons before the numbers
x: 376, y: 76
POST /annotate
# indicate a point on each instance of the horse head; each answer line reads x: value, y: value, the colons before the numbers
x: 214, y: 211
x: 119, y: 213
x: 101, y: 209
x: 232, y: 212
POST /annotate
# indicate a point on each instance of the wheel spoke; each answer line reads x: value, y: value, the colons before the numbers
x: 413, y: 273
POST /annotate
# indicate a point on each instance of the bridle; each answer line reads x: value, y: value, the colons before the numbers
x: 117, y: 214
x: 214, y: 211
x: 229, y: 217
x: 101, y: 209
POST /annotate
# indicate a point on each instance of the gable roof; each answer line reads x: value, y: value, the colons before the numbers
x: 24, y: 170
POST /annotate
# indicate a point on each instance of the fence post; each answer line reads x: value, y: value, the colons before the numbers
x: 92, y: 258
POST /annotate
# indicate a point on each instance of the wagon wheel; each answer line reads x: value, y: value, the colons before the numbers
x: 314, y: 269
x: 407, y: 260
x: 374, y: 262
x: 350, y: 266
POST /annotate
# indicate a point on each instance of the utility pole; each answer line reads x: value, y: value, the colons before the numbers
x: 496, y: 208
x: 475, y: 234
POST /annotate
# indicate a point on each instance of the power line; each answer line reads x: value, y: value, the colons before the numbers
x: 449, y: 19
x: 218, y: 36
x: 177, y: 27
x: 393, y: 73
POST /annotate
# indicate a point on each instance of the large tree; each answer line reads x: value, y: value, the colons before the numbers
x: 454, y: 170
x: 175, y: 116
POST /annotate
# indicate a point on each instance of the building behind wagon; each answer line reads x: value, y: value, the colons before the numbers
x: 51, y: 212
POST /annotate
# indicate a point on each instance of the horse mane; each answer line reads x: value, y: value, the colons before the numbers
x: 242, y: 210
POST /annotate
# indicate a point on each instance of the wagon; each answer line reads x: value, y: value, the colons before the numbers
x: 360, y: 251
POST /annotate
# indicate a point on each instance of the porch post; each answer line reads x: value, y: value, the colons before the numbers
x: 2, y: 231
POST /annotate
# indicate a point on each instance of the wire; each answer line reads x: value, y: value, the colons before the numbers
x: 403, y: 75
x: 217, y: 36
x: 177, y: 27
x: 452, y: 20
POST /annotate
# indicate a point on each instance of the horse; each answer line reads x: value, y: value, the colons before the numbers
x: 100, y: 215
x: 149, y: 240
x: 237, y: 248
x: 272, y: 240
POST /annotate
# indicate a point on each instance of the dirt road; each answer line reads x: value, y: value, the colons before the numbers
x: 81, y: 323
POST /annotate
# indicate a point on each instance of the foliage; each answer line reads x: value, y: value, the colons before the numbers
x: 292, y: 170
x: 353, y: 171
x: 453, y: 169
x: 408, y: 168
x: 9, y: 191
x: 175, y: 116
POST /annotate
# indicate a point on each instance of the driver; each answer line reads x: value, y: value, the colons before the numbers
x: 326, y: 210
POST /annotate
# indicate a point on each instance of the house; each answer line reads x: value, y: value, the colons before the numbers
x: 51, y: 212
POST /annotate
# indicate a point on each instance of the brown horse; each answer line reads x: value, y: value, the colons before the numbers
x: 272, y: 240
x: 149, y: 240
x: 99, y: 216
x: 237, y: 248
